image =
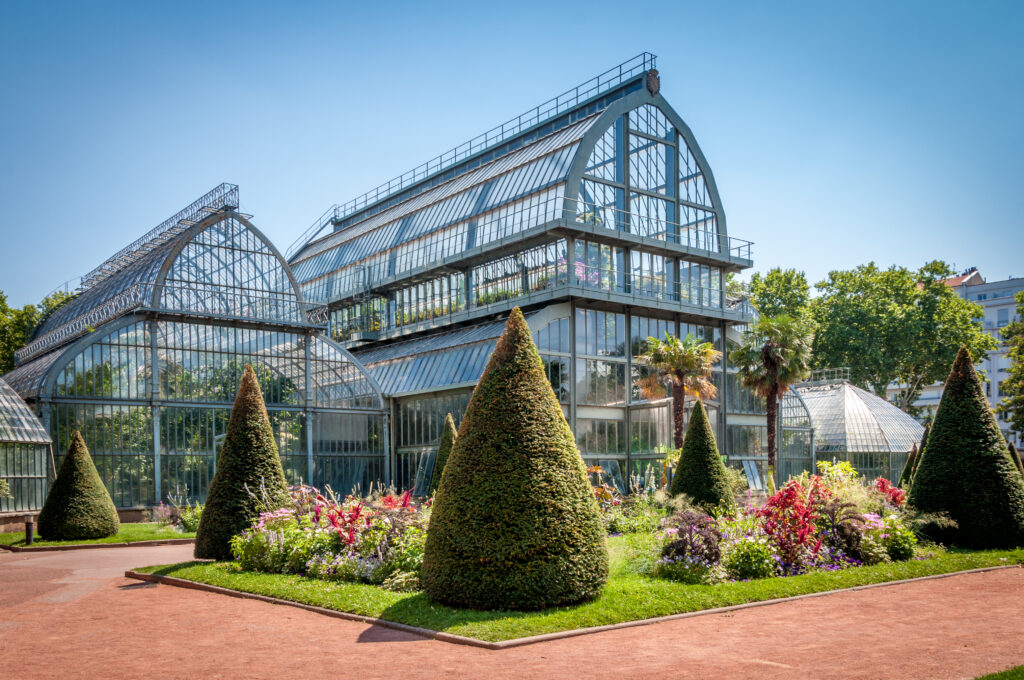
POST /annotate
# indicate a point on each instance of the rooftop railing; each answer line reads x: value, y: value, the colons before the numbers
x: 183, y: 299
x: 569, y: 99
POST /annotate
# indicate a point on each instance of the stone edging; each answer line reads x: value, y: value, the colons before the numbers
x: 93, y: 546
x: 533, y: 639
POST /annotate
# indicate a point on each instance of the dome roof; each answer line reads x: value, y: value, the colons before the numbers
x: 847, y: 418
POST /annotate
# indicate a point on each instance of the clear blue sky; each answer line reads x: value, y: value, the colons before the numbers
x: 838, y: 132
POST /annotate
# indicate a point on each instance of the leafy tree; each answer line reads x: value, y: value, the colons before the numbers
x: 248, y: 461
x: 735, y: 287
x: 781, y: 291
x: 17, y: 325
x: 686, y: 364
x: 515, y: 524
x: 1012, y: 405
x: 78, y: 505
x: 894, y: 325
x: 448, y: 436
x: 775, y: 353
x: 700, y: 473
x: 966, y: 470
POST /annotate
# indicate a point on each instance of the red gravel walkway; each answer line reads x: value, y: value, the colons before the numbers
x: 71, y: 615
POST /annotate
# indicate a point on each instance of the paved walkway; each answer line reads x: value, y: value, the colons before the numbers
x: 72, y: 615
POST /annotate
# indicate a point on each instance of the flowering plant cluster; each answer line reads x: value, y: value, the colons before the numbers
x: 377, y: 540
x: 813, y: 523
x: 636, y: 513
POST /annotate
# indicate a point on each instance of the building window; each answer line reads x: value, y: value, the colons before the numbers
x: 1002, y: 317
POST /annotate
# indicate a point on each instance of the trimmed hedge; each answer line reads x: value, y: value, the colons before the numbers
x: 700, y: 473
x: 248, y: 458
x: 515, y: 524
x: 1015, y: 456
x: 78, y: 505
x: 444, y: 449
x: 908, y: 470
x: 965, y: 470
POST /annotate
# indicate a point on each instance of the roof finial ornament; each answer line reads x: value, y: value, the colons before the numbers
x: 653, y: 82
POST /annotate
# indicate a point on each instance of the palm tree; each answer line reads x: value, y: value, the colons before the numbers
x: 775, y: 353
x: 686, y: 364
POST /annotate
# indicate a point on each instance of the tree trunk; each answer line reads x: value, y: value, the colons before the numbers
x: 679, y: 414
x: 773, y: 424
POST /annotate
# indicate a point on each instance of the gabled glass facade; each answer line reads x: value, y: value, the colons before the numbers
x: 151, y: 389
x: 603, y: 223
x: 24, y: 453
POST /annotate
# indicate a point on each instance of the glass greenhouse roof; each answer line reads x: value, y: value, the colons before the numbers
x: 433, y: 362
x: 847, y: 418
x: 17, y: 422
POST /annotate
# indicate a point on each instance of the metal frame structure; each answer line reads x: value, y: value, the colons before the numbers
x: 145, y: 363
x: 24, y: 453
x: 596, y: 212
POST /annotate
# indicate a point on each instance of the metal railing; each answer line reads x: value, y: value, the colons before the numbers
x: 569, y: 99
x: 223, y: 196
x: 504, y: 224
x: 219, y: 302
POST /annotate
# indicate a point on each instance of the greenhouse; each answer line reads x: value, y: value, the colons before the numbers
x: 595, y: 212
x: 24, y: 453
x: 145, y: 360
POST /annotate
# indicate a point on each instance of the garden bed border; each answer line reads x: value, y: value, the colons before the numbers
x: 532, y: 639
x: 93, y: 546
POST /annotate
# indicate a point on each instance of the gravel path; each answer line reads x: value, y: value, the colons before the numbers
x: 72, y: 615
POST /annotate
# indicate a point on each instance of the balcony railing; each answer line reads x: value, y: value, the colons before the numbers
x: 553, y: 107
x: 451, y: 242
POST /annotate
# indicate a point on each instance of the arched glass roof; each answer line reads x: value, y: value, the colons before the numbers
x: 847, y: 418
x: 17, y: 422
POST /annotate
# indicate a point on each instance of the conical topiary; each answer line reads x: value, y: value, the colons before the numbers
x: 700, y: 473
x: 78, y: 505
x: 248, y: 459
x: 966, y: 471
x: 908, y: 468
x: 1015, y: 456
x: 448, y: 437
x: 920, y: 450
x: 515, y: 524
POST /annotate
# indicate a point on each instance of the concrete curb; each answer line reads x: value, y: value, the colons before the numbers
x: 533, y: 639
x: 94, y: 546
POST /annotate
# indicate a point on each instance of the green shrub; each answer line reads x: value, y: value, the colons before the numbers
x: 700, y: 473
x: 444, y: 449
x: 899, y: 539
x: 908, y: 469
x: 1015, y: 456
x: 750, y: 556
x: 5, y: 489
x: 965, y: 470
x: 248, y: 463
x: 515, y: 524
x: 78, y: 505
x: 737, y: 480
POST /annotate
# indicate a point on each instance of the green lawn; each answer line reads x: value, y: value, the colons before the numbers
x: 628, y: 597
x: 1016, y: 673
x: 129, y: 533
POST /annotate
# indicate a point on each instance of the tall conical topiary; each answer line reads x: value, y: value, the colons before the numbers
x: 966, y: 471
x: 700, y: 473
x: 1015, y: 457
x: 515, y: 524
x: 444, y: 449
x: 78, y: 505
x: 248, y: 459
x: 908, y: 468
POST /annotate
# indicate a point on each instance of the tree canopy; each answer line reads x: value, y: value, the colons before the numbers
x: 1012, y: 405
x: 16, y: 325
x: 781, y: 291
x: 895, y: 325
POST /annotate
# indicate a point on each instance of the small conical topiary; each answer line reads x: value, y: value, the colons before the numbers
x: 1015, y: 456
x: 966, y: 471
x: 908, y: 469
x: 515, y: 524
x: 920, y: 451
x: 248, y: 460
x: 448, y: 437
x: 78, y: 506
x: 700, y: 473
